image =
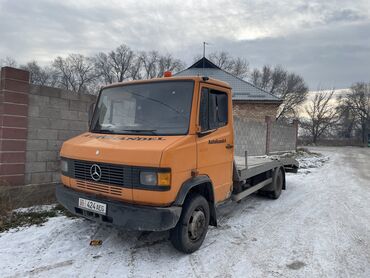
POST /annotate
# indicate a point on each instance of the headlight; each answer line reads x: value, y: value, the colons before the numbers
x: 155, y: 178
x: 148, y: 178
x: 64, y: 166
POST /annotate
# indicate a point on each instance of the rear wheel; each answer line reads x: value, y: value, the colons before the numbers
x: 274, y: 189
x: 278, y: 182
x: 190, y: 231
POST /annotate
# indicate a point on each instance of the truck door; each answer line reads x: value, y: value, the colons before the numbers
x: 215, y: 138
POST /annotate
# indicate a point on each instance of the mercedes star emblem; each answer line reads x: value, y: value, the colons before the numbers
x: 95, y: 172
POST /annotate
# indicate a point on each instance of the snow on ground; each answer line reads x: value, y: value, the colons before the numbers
x: 40, y: 208
x: 310, y: 160
x: 320, y: 227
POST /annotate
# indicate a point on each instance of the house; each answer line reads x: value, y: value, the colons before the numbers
x: 249, y: 101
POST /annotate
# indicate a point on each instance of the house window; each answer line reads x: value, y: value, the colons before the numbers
x: 213, y: 109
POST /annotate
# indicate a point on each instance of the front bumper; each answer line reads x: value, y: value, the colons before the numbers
x: 127, y: 216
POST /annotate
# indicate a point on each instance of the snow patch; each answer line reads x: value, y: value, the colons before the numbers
x: 307, y: 159
x: 38, y: 208
x: 311, y: 161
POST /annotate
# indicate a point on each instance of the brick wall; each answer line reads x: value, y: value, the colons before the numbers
x: 14, y: 89
x: 54, y: 115
x: 255, y: 111
x: 34, y: 121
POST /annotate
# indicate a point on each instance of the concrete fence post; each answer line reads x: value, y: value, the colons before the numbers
x: 295, y: 124
x: 14, y: 90
x: 268, y: 133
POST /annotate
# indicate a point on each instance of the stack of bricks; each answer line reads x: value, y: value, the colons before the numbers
x: 14, y: 89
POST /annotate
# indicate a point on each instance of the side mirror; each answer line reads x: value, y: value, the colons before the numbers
x: 91, y: 112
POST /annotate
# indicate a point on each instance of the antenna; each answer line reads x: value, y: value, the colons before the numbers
x: 204, y: 51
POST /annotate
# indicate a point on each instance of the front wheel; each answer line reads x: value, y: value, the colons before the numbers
x: 190, y: 231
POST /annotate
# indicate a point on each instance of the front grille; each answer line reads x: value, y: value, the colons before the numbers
x: 96, y: 187
x: 121, y: 175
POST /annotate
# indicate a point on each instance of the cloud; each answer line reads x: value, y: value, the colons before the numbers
x: 325, y: 57
x: 318, y: 39
x: 345, y: 15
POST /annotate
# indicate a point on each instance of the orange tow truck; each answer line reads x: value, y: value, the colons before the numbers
x: 159, y: 155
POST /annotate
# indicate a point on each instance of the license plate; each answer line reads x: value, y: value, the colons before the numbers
x: 92, y: 206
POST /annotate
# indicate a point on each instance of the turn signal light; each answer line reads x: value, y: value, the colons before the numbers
x: 164, y: 178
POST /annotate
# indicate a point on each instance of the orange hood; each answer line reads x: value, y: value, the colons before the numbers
x: 118, y: 149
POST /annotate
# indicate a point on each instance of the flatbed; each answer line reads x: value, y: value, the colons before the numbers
x: 258, y: 165
x: 247, y: 168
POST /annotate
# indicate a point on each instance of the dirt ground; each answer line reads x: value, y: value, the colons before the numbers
x: 320, y: 227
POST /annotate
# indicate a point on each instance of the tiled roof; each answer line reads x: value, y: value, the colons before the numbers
x: 242, y: 90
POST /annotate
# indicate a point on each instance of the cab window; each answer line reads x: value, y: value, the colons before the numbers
x: 213, y: 109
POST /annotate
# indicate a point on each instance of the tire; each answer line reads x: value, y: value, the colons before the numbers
x: 278, y: 182
x: 274, y: 189
x: 189, y: 233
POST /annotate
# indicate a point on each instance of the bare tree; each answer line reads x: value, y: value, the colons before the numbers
x: 222, y: 59
x: 355, y: 106
x: 115, y: 65
x: 290, y: 87
x: 168, y: 63
x: 8, y: 62
x: 322, y: 116
x: 121, y: 60
x: 103, y: 68
x: 348, y: 121
x: 155, y: 64
x: 236, y: 66
x: 262, y: 78
x: 149, y: 61
x: 75, y: 73
x: 240, y: 68
x: 44, y: 76
x: 135, y: 70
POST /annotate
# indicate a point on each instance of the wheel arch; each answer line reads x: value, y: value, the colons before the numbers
x: 203, y: 185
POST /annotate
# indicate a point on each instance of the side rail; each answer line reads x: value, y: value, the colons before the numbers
x: 244, y: 174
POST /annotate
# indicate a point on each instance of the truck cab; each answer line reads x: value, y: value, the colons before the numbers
x: 158, y: 156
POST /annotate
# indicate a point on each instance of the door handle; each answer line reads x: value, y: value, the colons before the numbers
x: 229, y: 146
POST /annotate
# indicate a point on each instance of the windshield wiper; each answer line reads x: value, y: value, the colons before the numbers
x: 107, y: 131
x: 152, y: 131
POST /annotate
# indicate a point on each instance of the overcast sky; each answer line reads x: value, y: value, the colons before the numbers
x: 327, y: 42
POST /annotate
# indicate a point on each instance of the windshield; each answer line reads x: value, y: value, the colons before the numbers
x: 157, y: 108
